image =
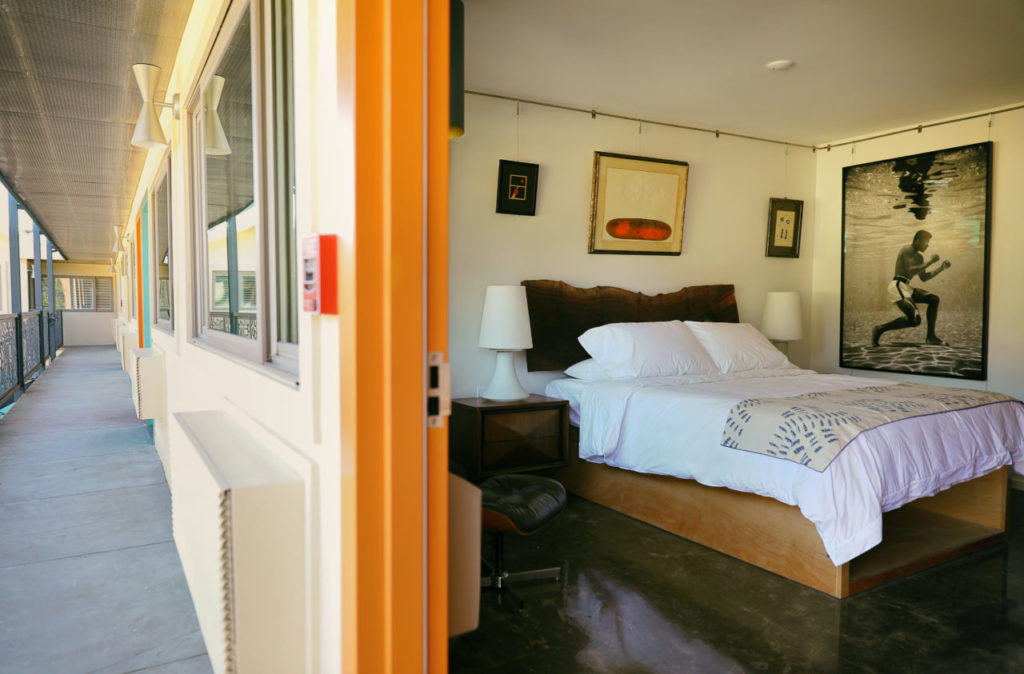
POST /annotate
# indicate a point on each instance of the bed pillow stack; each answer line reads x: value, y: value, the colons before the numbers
x: 667, y: 348
x: 737, y: 347
x: 655, y: 349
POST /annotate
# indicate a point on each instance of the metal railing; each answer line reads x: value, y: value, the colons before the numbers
x: 243, y: 324
x: 27, y: 341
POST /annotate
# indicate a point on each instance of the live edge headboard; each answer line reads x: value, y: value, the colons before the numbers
x: 559, y: 313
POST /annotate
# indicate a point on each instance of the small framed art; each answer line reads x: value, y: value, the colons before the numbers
x: 637, y: 205
x: 517, y: 187
x: 784, y: 217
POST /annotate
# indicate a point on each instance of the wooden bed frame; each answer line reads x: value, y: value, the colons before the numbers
x: 762, y: 531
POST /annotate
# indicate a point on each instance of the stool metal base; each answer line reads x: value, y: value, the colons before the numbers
x: 500, y: 580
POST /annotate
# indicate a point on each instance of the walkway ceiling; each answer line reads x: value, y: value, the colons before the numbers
x: 68, y: 105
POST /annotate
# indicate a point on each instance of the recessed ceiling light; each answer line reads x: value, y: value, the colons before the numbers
x: 781, y: 64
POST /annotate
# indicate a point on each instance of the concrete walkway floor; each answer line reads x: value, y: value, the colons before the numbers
x: 90, y: 579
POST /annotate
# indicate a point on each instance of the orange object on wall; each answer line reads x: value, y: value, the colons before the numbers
x: 320, y: 274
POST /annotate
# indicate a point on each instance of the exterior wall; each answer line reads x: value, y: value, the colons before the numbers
x: 730, y: 183
x: 86, y: 328
x: 1006, y: 274
x: 267, y: 401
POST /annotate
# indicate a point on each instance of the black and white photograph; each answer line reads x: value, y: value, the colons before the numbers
x: 915, y: 263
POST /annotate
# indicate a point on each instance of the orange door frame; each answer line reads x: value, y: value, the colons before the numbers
x: 393, y: 551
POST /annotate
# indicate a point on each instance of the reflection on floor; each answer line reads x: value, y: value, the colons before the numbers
x: 638, y: 599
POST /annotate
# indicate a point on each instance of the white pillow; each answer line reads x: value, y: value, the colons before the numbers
x: 736, y: 347
x: 654, y: 349
x: 587, y: 370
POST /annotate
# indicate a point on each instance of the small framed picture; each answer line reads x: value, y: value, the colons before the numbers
x: 784, y: 216
x: 517, y: 187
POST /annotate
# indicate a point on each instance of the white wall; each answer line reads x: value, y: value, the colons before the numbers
x: 88, y: 328
x: 730, y: 183
x: 1006, y: 273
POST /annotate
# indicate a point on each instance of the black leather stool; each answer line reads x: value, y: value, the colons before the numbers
x: 520, y: 504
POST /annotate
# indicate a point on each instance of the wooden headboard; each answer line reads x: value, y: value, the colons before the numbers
x: 559, y: 313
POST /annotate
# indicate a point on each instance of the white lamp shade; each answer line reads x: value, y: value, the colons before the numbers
x: 505, y: 324
x: 148, y: 132
x: 216, y: 139
x: 782, y: 321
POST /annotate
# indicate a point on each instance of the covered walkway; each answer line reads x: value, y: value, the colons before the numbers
x: 90, y: 579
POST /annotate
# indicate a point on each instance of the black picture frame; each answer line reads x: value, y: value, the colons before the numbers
x: 884, y: 320
x: 785, y: 217
x: 517, y: 187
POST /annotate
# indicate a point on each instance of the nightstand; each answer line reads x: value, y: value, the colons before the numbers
x: 488, y: 438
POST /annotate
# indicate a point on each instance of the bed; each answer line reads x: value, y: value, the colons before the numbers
x: 749, y: 521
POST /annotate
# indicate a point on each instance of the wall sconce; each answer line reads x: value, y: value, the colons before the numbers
x: 216, y: 139
x: 456, y: 70
x: 148, y: 132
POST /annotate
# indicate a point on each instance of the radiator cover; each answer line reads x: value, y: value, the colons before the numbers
x: 239, y: 526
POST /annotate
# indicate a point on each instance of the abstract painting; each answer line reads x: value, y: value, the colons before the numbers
x: 637, y: 205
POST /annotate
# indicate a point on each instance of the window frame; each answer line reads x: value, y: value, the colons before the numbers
x: 271, y: 119
x: 95, y: 294
x: 163, y: 175
x: 250, y: 349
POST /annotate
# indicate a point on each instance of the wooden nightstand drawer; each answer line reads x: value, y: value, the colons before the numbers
x: 512, y: 455
x: 507, y: 426
x: 488, y: 438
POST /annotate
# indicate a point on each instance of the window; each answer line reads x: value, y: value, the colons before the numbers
x: 162, y: 249
x: 241, y: 128
x: 80, y: 293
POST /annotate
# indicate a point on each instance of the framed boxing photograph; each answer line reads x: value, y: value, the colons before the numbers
x: 915, y: 262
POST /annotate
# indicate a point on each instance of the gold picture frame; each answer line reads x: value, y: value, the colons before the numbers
x: 637, y: 205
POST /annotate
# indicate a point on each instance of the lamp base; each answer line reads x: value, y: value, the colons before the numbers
x: 504, y: 384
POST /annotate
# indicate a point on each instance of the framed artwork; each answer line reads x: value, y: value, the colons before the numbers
x: 916, y: 231
x: 784, y: 218
x: 637, y: 205
x: 517, y: 187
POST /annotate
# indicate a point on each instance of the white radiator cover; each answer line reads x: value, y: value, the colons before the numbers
x: 239, y: 525
x: 129, y: 341
x: 146, y: 371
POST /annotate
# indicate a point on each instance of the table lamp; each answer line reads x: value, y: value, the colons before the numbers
x: 505, y: 327
x: 782, y: 321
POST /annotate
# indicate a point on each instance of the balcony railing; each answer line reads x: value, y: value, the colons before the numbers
x: 27, y: 341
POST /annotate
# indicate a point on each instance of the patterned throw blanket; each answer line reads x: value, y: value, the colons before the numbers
x: 812, y: 429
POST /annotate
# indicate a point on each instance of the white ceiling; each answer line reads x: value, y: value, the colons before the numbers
x: 862, y: 66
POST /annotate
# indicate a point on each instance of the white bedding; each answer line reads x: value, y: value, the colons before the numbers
x: 673, y: 426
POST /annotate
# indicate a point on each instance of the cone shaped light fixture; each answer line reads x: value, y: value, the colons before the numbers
x: 148, y: 132
x: 216, y: 139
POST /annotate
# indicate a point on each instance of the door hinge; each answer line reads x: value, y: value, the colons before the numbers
x: 439, y: 389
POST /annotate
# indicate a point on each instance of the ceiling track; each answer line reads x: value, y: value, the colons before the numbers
x: 828, y: 147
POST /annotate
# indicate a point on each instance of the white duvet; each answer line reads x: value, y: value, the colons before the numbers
x: 673, y: 426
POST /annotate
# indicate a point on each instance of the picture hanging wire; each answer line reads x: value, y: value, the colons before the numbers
x: 813, y: 148
x: 517, y: 130
x: 785, y: 172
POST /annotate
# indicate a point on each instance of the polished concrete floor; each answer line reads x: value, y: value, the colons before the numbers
x: 637, y: 599
x: 90, y: 579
